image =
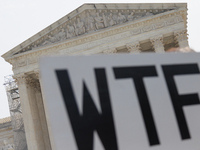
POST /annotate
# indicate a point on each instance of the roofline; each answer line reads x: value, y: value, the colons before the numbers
x: 82, y: 8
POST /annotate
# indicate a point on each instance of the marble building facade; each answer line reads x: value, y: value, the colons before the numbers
x: 91, y: 29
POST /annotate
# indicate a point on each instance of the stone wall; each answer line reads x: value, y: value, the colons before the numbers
x: 6, y: 134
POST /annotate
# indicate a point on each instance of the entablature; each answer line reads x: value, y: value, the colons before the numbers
x: 99, y: 41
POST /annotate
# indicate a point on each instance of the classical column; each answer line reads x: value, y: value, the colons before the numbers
x: 32, y: 124
x: 42, y: 113
x: 110, y: 51
x: 181, y: 38
x: 157, y: 43
x: 133, y: 47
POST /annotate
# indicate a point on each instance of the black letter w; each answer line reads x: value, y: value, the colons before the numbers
x: 84, y: 125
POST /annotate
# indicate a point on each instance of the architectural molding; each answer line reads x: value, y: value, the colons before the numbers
x: 91, y: 21
x: 132, y: 29
x: 110, y: 51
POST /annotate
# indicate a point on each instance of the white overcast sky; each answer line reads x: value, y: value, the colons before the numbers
x: 21, y: 19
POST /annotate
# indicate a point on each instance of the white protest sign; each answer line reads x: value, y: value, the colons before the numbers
x: 123, y: 102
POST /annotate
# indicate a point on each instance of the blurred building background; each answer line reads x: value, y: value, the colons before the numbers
x: 90, y: 29
x: 6, y: 134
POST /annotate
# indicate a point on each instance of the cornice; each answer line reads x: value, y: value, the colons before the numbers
x: 131, y: 28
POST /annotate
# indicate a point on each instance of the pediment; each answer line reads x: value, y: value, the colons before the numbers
x: 90, y: 18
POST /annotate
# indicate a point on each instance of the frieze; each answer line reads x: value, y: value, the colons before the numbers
x: 91, y: 21
x: 148, y: 28
x: 22, y: 64
x: 140, y: 30
x: 171, y: 22
x: 92, y: 40
x: 97, y: 43
x: 159, y: 25
x: 136, y: 31
x: 110, y: 51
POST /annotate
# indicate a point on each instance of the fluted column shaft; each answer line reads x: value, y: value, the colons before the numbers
x: 110, y: 51
x: 32, y: 124
x: 42, y: 114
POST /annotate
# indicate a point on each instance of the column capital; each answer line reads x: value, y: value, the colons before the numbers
x: 36, y: 85
x: 133, y: 47
x: 181, y: 38
x: 157, y: 43
x: 110, y: 51
x: 181, y: 35
x: 29, y: 80
x: 26, y: 79
x: 37, y: 74
x: 33, y: 83
x: 20, y: 78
